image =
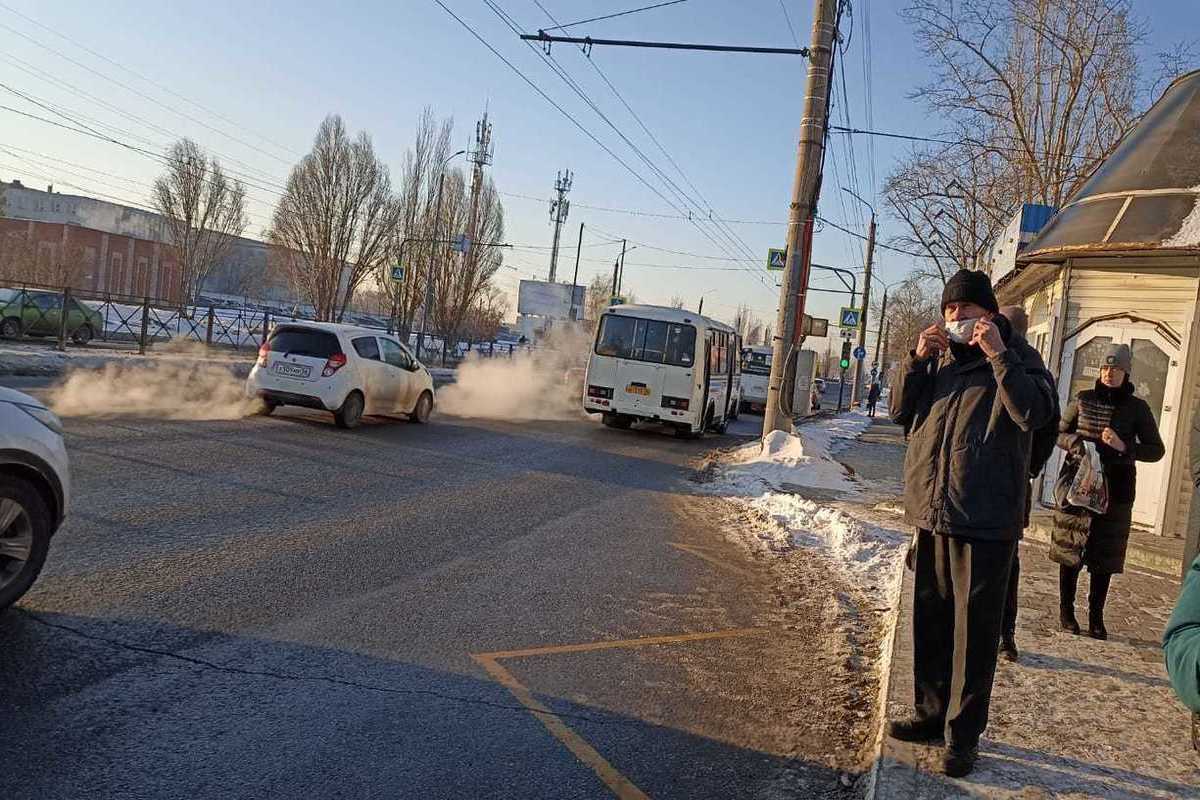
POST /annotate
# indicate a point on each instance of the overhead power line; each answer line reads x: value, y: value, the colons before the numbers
x: 588, y: 42
x: 970, y: 143
x: 618, y: 14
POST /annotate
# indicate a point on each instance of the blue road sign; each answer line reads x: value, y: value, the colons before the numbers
x: 397, y: 273
x: 776, y: 259
x: 849, y: 317
x: 860, y: 352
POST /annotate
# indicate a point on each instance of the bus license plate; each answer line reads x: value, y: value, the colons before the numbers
x: 642, y: 390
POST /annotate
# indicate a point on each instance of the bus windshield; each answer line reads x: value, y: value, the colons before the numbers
x: 646, y: 340
x: 757, y: 363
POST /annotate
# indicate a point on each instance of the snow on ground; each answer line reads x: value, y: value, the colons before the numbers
x: 771, y: 479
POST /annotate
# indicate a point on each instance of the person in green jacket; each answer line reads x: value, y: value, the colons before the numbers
x: 1181, y: 642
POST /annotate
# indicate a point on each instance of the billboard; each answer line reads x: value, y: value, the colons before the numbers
x: 544, y: 299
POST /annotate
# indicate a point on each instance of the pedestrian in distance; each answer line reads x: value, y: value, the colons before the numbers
x: 971, y: 404
x: 873, y: 398
x: 1041, y: 448
x: 1122, y: 428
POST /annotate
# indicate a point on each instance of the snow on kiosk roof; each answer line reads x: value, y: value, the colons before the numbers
x: 1145, y: 196
x: 665, y: 314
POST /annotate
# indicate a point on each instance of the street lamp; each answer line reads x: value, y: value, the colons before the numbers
x: 437, y: 219
x: 700, y: 310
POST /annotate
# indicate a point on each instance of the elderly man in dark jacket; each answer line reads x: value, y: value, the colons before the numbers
x: 971, y: 403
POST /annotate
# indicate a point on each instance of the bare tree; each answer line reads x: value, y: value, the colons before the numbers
x: 485, y: 316
x: 913, y: 306
x: 599, y: 292
x: 676, y: 301
x: 204, y: 212
x: 336, y: 219
x: 1036, y: 93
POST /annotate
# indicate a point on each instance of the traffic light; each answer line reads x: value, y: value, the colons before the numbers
x: 845, y: 362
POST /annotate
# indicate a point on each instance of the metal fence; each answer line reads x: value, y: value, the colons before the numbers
x: 78, y: 318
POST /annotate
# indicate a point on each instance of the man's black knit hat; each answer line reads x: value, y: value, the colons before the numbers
x: 970, y: 286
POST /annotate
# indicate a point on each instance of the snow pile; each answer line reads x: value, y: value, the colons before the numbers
x: 868, y: 552
x: 1188, y: 234
x: 803, y: 459
x: 769, y: 480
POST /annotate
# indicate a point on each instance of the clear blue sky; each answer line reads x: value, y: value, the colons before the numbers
x: 274, y: 69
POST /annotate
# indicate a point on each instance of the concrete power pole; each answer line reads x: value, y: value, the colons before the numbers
x: 856, y: 387
x: 879, y: 337
x: 805, y: 186
x: 559, y: 208
x: 621, y: 273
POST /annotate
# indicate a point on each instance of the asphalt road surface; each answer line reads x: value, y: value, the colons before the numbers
x: 275, y: 608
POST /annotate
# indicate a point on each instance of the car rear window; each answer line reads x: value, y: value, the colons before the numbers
x: 304, y: 342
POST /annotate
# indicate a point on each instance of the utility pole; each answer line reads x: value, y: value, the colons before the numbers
x: 621, y: 272
x: 575, y: 280
x: 559, y: 208
x: 856, y: 387
x: 805, y: 188
x: 879, y: 335
x: 616, y: 275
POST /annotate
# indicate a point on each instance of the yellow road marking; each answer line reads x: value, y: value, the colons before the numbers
x: 621, y: 786
x: 702, y: 553
x: 618, y: 643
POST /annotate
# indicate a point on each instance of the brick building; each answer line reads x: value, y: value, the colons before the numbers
x: 53, y: 238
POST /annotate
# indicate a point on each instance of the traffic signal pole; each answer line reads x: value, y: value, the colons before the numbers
x: 805, y: 186
x: 856, y: 391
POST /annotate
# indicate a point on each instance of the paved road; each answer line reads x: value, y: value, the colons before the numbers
x: 273, y: 608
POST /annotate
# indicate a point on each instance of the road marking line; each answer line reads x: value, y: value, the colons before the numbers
x: 618, y: 643
x: 621, y: 786
x: 702, y: 553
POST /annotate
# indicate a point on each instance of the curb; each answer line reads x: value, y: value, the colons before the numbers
x: 872, y: 777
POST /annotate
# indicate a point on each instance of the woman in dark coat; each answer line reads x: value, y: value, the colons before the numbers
x: 1123, y: 430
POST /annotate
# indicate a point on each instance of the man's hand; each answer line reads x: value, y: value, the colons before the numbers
x: 1110, y: 438
x: 932, y: 341
x: 987, y: 336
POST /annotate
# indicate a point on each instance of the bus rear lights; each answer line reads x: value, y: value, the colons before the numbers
x: 680, y: 403
x: 600, y: 391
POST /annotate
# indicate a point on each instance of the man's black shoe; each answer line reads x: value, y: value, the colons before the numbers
x: 917, y: 729
x: 1008, y: 649
x: 958, y: 762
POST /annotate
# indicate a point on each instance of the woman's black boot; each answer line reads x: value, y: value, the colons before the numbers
x: 1097, y: 596
x: 1068, y: 580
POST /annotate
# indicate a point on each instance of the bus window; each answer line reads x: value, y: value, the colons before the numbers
x: 681, y: 345
x: 654, y: 348
x: 616, y: 336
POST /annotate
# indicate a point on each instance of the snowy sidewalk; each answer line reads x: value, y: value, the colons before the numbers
x: 1075, y: 718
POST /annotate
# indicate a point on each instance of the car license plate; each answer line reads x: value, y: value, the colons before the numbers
x: 292, y: 370
x: 635, y: 389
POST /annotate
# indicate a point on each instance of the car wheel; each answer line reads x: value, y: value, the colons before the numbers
x: 82, y: 334
x: 266, y: 409
x: 350, y: 414
x: 10, y: 328
x: 686, y: 432
x: 619, y: 421
x: 423, y: 409
x: 25, y: 529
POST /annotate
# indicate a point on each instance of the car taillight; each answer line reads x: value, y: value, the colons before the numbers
x: 335, y: 362
x: 675, y: 402
x: 600, y: 391
x: 264, y: 350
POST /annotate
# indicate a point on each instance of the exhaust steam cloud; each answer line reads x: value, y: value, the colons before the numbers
x: 177, y: 390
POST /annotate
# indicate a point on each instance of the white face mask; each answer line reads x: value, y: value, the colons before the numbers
x: 961, y: 330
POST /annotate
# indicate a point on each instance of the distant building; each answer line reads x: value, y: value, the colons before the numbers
x: 124, y: 250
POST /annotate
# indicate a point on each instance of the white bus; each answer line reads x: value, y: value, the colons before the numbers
x: 664, y: 365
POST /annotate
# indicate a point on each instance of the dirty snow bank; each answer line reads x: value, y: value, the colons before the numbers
x: 770, y: 479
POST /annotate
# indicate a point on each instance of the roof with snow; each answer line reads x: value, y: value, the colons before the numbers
x: 1145, y: 196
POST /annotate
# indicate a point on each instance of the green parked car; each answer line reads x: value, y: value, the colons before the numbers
x: 35, y: 313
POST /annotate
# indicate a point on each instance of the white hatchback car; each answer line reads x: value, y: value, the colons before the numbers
x: 35, y: 486
x: 348, y: 370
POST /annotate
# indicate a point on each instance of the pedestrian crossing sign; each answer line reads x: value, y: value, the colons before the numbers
x: 849, y: 317
x: 397, y: 273
x: 776, y: 259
